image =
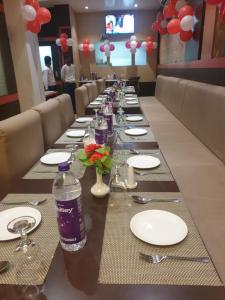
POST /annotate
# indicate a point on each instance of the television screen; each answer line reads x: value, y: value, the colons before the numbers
x: 119, y: 24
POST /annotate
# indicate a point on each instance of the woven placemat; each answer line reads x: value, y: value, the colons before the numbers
x: 43, y: 171
x: 152, y: 175
x: 123, y: 137
x: 46, y: 235
x: 120, y: 262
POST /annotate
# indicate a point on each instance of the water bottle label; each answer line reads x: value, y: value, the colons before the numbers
x: 101, y: 136
x: 70, y: 221
x: 109, y: 119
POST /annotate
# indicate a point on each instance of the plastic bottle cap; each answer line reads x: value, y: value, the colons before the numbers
x: 64, y: 166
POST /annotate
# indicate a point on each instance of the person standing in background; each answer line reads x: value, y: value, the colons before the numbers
x: 68, y: 77
x: 48, y: 75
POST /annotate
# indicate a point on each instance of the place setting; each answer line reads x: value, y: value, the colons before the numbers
x: 47, y: 166
x: 24, y: 238
x: 72, y: 136
x: 136, y: 135
x: 158, y: 238
x: 82, y: 122
x: 136, y: 120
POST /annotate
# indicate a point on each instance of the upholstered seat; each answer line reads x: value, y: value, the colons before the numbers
x: 51, y: 121
x: 94, y: 90
x: 100, y: 85
x: 66, y: 110
x: 89, y: 88
x: 82, y: 100
x: 21, y: 145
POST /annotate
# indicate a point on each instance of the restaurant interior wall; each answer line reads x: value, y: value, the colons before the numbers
x: 208, y: 62
x: 92, y: 26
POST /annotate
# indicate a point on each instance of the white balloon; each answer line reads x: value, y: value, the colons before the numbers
x: 69, y: 42
x: 187, y: 23
x: 29, y: 12
x: 133, y: 44
x: 144, y: 44
x: 133, y: 38
x: 155, y: 45
x: 106, y: 47
x: 91, y: 47
x: 80, y: 47
x: 58, y: 43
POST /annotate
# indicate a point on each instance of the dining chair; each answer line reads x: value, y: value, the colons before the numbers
x: 89, y: 91
x: 51, y: 121
x: 100, y: 85
x: 94, y: 90
x: 82, y: 100
x: 66, y: 110
x: 21, y: 145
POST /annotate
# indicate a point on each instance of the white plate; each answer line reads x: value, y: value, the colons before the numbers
x: 134, y: 118
x: 143, y: 161
x: 132, y: 102
x: 9, y: 215
x: 84, y: 119
x: 131, y: 98
x: 55, y: 158
x: 136, y: 131
x: 158, y: 227
x: 95, y: 103
x: 75, y: 133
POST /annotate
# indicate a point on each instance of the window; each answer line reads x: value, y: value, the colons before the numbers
x: 121, y: 56
x: 44, y: 51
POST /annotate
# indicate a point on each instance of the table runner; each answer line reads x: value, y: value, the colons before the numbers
x: 43, y: 171
x: 46, y: 235
x: 123, y: 137
x: 120, y: 262
x: 123, y: 155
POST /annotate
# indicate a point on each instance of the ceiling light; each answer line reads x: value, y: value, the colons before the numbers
x: 86, y: 7
x: 135, y: 5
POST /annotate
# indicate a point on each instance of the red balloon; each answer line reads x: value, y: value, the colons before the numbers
x: 169, y: 11
x: 159, y: 18
x: 173, y: 3
x: 222, y: 12
x: 213, y: 2
x: 173, y: 26
x: 149, y: 44
x: 155, y: 27
x: 63, y: 42
x: 43, y: 15
x: 163, y: 31
x: 102, y: 48
x: 127, y: 44
x: 149, y: 38
x: 186, y: 10
x: 64, y: 48
x: 138, y: 45
x: 186, y: 35
x: 64, y: 35
x: 34, y: 26
x: 86, y: 41
x: 111, y: 47
x: 85, y: 47
x: 33, y: 3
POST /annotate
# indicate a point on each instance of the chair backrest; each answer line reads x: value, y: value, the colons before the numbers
x: 94, y: 90
x: 66, y: 110
x: 100, y: 85
x: 21, y: 145
x: 51, y: 121
x: 89, y: 91
x: 82, y: 100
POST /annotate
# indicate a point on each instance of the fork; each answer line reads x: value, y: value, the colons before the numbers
x: 149, y: 173
x: 32, y: 202
x: 155, y: 259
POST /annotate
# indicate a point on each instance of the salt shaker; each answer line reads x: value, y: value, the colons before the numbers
x: 131, y: 183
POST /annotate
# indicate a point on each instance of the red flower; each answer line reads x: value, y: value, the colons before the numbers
x: 96, y: 156
x: 91, y: 148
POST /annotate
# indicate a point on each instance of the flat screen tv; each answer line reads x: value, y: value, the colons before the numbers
x: 116, y: 24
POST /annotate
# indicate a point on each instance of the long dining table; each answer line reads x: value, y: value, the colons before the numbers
x: 75, y: 275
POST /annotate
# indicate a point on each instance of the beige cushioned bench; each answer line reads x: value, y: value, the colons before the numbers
x: 188, y: 120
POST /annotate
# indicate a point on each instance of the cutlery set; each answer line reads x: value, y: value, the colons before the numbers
x: 156, y: 259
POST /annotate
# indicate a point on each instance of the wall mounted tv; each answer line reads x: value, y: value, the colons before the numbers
x: 116, y: 24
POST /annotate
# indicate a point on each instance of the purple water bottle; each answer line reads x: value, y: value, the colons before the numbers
x: 67, y: 193
x: 101, y: 131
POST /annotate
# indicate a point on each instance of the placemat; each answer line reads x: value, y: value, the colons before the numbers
x: 152, y: 174
x: 123, y: 137
x: 120, y: 262
x: 143, y: 122
x: 46, y: 235
x: 43, y: 171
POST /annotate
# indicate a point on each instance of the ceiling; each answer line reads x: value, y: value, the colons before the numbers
x: 105, y: 5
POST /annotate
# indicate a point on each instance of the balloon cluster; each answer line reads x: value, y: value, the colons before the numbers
x: 149, y: 44
x: 133, y: 44
x: 86, y: 47
x: 64, y: 42
x: 107, y: 48
x: 35, y: 15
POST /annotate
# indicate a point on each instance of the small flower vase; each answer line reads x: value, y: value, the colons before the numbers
x: 99, y: 189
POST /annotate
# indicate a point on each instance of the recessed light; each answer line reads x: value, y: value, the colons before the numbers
x: 86, y: 7
x: 135, y: 5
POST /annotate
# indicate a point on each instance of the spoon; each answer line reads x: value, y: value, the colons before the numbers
x: 4, y: 265
x: 143, y: 200
x: 134, y: 151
